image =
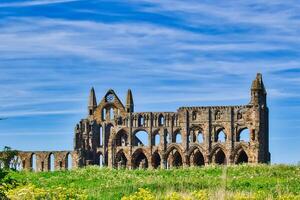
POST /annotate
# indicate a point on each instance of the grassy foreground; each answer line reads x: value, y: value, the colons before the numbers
x: 215, y: 182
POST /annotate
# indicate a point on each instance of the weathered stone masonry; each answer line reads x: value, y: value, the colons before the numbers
x: 109, y: 136
x: 110, y: 132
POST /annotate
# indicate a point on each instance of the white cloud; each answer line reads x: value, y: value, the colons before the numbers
x: 138, y: 54
x: 16, y: 113
x: 42, y: 133
x: 34, y: 3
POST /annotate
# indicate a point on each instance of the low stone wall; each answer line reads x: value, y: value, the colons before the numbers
x: 41, y: 160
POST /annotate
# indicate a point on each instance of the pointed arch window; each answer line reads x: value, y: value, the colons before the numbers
x: 161, y: 120
x: 243, y: 135
x: 221, y: 136
x: 141, y: 121
x: 104, y: 114
x: 111, y: 114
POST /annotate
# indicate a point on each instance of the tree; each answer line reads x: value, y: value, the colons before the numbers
x: 9, y: 158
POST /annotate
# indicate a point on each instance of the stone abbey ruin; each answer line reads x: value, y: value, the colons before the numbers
x: 114, y: 135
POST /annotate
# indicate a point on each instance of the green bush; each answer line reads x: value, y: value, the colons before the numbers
x: 30, y: 192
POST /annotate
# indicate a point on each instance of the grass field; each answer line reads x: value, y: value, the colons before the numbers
x: 246, y: 182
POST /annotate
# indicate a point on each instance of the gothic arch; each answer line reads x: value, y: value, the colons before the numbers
x: 174, y: 156
x: 139, y: 159
x: 156, y: 137
x: 243, y: 134
x: 218, y: 155
x: 220, y: 135
x: 33, y: 162
x: 68, y: 161
x: 241, y: 154
x: 141, y: 120
x: 174, y: 146
x: 156, y: 160
x: 121, y: 138
x: 196, y: 158
x: 144, y: 136
x: 177, y: 136
x: 241, y: 157
x: 51, y: 162
x: 195, y: 146
x: 121, y: 161
x: 161, y: 120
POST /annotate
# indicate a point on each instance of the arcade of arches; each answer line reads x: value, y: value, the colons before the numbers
x: 114, y: 135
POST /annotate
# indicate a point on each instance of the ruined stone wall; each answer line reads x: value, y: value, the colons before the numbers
x: 191, y: 136
x: 108, y: 136
x: 41, y: 160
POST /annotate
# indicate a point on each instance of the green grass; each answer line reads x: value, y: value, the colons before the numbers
x: 103, y: 183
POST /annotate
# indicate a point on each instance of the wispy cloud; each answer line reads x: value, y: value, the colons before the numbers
x: 39, y: 113
x: 42, y: 133
x: 34, y: 3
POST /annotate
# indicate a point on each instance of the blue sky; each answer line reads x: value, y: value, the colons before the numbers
x: 171, y: 53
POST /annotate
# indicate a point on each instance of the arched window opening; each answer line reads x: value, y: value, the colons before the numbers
x: 200, y: 137
x: 121, y: 160
x: 156, y: 139
x: 101, y: 136
x: 141, y: 138
x: 101, y: 160
x: 156, y: 160
x: 140, y: 161
x: 104, y: 114
x: 141, y: 121
x: 111, y: 114
x: 242, y: 158
x: 178, y: 138
x: 33, y: 162
x: 168, y: 139
x: 220, y: 158
x: 194, y: 115
x: 221, y: 136
x: 177, y: 160
x: 161, y: 120
x: 69, y: 161
x: 244, y: 136
x: 51, y: 161
x: 121, y: 139
x: 197, y: 158
x: 218, y: 115
x: 16, y: 163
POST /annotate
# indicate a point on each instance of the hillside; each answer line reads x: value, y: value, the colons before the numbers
x: 234, y: 182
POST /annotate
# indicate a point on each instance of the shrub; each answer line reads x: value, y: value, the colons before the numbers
x: 200, y: 195
x: 173, y: 196
x: 29, y: 192
x: 141, y: 194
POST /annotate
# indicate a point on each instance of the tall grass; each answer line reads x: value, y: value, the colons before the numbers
x: 104, y: 183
